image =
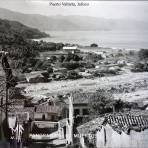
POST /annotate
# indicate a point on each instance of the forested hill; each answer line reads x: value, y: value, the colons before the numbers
x: 15, y: 38
x: 12, y: 28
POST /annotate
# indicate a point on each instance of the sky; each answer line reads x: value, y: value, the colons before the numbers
x: 137, y: 10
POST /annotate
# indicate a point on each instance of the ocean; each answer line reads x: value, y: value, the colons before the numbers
x: 113, y: 39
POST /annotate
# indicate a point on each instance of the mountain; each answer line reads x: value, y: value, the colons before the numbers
x: 58, y: 22
x: 15, y: 28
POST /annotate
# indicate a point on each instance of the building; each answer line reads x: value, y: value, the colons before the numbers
x: 46, y: 133
x: 116, y: 130
x: 80, y: 103
x: 36, y: 77
x: 71, y: 49
x: 23, y: 114
x: 47, y: 112
x: 47, y: 55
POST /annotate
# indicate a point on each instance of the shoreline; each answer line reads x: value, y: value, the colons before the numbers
x: 88, y: 46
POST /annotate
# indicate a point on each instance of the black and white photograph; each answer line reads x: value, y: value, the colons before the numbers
x: 73, y: 74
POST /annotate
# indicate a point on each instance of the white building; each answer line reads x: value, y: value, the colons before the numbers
x: 71, y: 49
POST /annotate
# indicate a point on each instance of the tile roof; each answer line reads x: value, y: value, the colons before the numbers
x: 127, y: 122
x: 120, y: 122
x: 48, y: 109
x: 44, y: 127
x: 30, y: 110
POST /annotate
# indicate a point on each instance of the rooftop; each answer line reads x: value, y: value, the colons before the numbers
x: 120, y: 122
x: 48, y: 109
x: 44, y: 127
x: 81, y: 97
x: 70, y: 47
x: 29, y: 110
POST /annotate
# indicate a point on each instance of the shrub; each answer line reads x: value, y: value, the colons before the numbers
x: 73, y: 75
x: 94, y: 45
x: 71, y: 65
x: 143, y: 54
x: 140, y: 67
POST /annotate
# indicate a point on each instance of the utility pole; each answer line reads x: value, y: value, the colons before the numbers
x: 71, y: 120
x: 1, y: 120
x: 7, y: 97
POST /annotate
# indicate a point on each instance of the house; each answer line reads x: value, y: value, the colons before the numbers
x: 80, y: 103
x: 119, y: 130
x: 47, y: 132
x: 35, y: 77
x: 71, y: 49
x: 23, y: 114
x: 47, y: 55
x: 85, y: 74
x: 101, y: 54
x: 62, y: 70
x: 47, y: 112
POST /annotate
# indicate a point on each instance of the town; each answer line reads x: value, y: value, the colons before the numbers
x: 60, y: 87
x: 51, y: 116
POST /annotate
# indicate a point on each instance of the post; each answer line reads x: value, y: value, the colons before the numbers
x: 71, y: 120
x: 1, y: 122
x: 1, y: 110
x: 7, y: 95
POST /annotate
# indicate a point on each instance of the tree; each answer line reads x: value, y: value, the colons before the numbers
x: 71, y: 65
x: 100, y: 102
x: 53, y: 58
x: 61, y: 58
x: 73, y: 75
x: 143, y: 54
x: 94, y: 45
x: 50, y: 70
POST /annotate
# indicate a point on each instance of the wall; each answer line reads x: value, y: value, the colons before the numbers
x: 115, y: 140
x: 48, y: 116
x: 81, y: 109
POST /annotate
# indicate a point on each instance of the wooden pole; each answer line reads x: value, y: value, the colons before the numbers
x: 1, y: 110
x: 1, y: 121
x: 7, y: 96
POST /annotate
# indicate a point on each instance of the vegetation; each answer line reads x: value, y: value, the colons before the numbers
x: 103, y: 102
x: 142, y: 64
x: 93, y: 45
x: 143, y: 54
x: 100, y: 102
x: 73, y: 75
x: 15, y: 39
x: 16, y: 28
x: 71, y: 65
x: 93, y: 57
x: 140, y: 67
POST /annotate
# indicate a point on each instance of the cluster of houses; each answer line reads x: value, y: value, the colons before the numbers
x: 105, y: 65
x: 53, y: 123
x: 60, y: 121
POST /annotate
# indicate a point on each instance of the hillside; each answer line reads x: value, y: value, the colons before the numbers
x: 15, y: 38
x: 59, y: 22
x: 10, y: 28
